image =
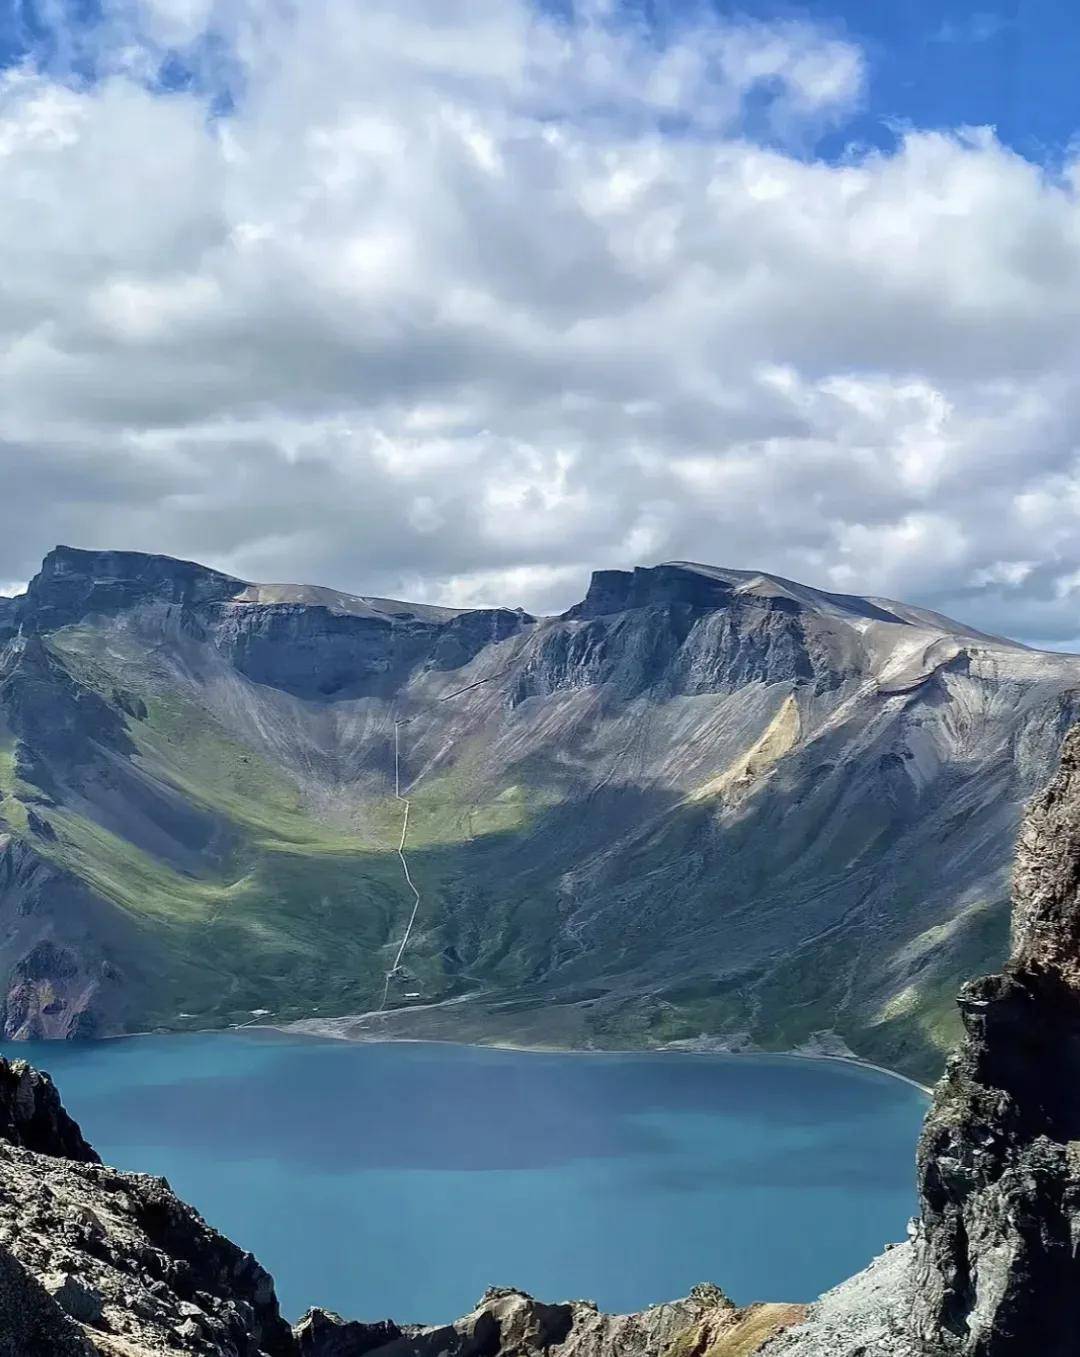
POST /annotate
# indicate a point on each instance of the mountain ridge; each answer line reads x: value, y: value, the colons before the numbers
x: 763, y: 584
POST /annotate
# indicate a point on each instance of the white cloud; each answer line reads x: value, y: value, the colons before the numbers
x: 460, y: 301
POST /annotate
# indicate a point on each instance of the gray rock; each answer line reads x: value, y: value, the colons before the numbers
x: 997, y: 1271
x: 31, y: 1322
x: 74, y: 1297
x: 119, y: 1252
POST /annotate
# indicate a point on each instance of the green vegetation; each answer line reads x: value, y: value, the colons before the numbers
x: 284, y: 908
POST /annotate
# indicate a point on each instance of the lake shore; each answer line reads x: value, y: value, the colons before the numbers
x: 317, y: 1030
x: 330, y: 1029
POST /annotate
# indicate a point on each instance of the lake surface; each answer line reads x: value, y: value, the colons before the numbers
x: 402, y: 1180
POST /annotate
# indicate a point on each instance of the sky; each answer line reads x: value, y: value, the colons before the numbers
x: 460, y: 300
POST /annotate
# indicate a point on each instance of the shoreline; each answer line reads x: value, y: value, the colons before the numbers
x: 538, y: 1049
x: 289, y: 1030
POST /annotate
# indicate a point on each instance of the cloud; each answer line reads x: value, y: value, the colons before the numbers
x: 980, y: 26
x: 462, y: 300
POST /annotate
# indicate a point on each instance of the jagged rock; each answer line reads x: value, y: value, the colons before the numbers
x: 33, y: 1117
x: 74, y: 1297
x: 321, y: 1333
x: 74, y: 584
x: 997, y: 1272
x: 993, y: 1268
x: 119, y: 1252
x: 511, y: 1323
x: 31, y: 1322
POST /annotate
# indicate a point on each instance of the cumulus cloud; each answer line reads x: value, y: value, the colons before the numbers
x: 460, y: 299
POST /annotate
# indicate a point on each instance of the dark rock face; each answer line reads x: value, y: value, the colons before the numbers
x: 33, y: 1117
x: 997, y: 1272
x: 53, y: 715
x: 615, y: 591
x: 32, y: 1323
x: 315, y: 653
x: 321, y: 1333
x: 675, y: 647
x: 74, y: 584
x: 54, y: 988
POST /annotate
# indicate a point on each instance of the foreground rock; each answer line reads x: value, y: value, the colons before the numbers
x: 997, y: 1273
x: 509, y: 1323
x: 114, y: 1259
x: 993, y: 1269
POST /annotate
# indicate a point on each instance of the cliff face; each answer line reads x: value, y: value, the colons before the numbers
x: 992, y: 1269
x: 999, y: 1163
x: 32, y: 1117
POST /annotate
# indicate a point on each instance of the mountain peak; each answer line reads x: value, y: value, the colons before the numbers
x: 711, y: 587
x: 74, y: 583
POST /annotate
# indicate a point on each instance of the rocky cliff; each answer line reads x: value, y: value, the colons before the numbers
x: 92, y: 1259
x: 999, y: 1165
x: 699, y: 807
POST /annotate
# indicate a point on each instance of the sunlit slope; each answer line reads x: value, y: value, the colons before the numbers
x: 702, y: 805
x: 270, y: 887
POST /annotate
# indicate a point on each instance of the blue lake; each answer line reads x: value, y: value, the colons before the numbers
x: 403, y: 1179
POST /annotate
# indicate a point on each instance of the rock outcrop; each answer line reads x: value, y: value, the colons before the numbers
x: 997, y: 1268
x: 32, y: 1117
x: 95, y: 1260
x: 511, y: 1323
x: 993, y: 1268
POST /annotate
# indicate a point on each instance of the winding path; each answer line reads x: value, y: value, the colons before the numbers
x: 404, y: 864
x: 405, y: 829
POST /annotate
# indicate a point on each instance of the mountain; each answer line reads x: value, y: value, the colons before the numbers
x: 96, y: 1261
x: 702, y: 806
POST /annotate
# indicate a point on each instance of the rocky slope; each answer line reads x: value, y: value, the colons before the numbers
x: 999, y: 1164
x: 92, y: 1259
x: 702, y: 805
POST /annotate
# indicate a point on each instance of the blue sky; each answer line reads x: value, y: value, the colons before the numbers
x: 942, y: 65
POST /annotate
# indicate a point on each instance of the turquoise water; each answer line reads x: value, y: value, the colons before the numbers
x: 403, y: 1179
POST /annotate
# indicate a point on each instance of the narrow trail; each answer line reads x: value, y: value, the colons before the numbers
x: 404, y: 865
x: 407, y: 804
